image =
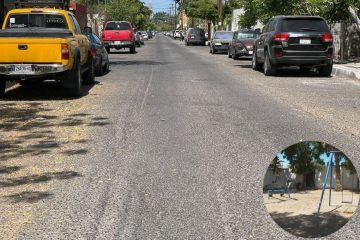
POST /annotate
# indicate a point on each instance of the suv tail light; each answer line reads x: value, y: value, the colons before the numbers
x: 65, y: 53
x: 327, y: 37
x: 281, y: 37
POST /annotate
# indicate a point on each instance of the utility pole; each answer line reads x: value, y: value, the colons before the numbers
x: 175, y: 15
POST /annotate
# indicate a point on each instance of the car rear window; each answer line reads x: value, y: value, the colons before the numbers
x: 197, y: 31
x: 118, y: 26
x: 247, y: 35
x: 36, y: 20
x: 304, y: 25
x: 223, y: 35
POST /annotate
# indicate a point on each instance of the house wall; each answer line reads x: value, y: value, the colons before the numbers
x: 348, y: 181
x: 235, y: 19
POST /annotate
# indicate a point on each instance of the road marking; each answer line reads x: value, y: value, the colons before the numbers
x: 147, y: 88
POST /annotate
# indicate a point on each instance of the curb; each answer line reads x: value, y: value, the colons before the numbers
x: 346, y: 72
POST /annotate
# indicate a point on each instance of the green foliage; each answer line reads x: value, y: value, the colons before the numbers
x: 203, y: 9
x: 275, y: 165
x: 347, y: 164
x: 133, y: 11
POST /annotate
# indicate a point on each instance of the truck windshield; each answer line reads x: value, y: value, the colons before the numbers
x: 247, y: 35
x: 36, y: 20
x: 223, y: 35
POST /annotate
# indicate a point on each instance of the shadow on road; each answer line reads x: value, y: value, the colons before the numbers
x: 144, y: 62
x: 29, y: 197
x: 48, y: 90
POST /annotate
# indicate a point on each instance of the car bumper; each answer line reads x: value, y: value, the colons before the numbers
x: 36, y: 69
x: 223, y: 48
x: 118, y: 44
x: 310, y: 58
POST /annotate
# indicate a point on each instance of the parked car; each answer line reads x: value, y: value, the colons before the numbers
x: 220, y: 41
x: 195, y: 36
x: 304, y: 41
x: 43, y: 44
x: 101, y: 57
x: 150, y: 35
x: 242, y: 44
x: 118, y: 35
x: 138, y: 39
x: 177, y: 34
x: 144, y: 35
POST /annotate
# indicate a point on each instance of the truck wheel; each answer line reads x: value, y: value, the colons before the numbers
x: 107, y: 49
x: 2, y: 88
x: 326, y: 71
x: 74, y: 75
x: 132, y: 49
x: 89, y: 75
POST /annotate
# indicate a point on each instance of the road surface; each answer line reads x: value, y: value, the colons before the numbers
x: 173, y: 143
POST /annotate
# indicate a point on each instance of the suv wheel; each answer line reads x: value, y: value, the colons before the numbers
x: 235, y: 56
x: 2, y: 88
x: 325, y: 71
x: 132, y: 49
x: 255, y: 64
x: 269, y: 69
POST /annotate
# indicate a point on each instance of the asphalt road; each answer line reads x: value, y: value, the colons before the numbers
x: 173, y: 143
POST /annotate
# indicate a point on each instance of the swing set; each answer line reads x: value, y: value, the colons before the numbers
x: 329, y: 174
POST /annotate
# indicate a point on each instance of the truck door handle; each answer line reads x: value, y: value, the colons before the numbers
x: 22, y: 47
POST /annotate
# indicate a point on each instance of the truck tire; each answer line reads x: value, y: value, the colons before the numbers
x: 74, y: 76
x: 107, y: 49
x: 132, y: 49
x: 89, y: 75
x: 2, y: 88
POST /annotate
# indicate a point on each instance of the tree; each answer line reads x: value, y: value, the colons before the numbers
x: 203, y: 9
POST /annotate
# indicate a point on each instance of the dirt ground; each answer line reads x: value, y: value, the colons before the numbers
x: 298, y: 215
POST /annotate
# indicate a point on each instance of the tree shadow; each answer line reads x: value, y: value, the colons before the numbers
x: 29, y: 197
x: 32, y: 179
x: 310, y: 226
x: 9, y: 170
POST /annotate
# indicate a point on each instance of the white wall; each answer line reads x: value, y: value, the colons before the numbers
x: 235, y: 19
x: 349, y: 181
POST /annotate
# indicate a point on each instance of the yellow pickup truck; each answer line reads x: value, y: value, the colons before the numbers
x: 38, y: 44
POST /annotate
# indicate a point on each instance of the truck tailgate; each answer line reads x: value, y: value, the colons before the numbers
x: 30, y: 50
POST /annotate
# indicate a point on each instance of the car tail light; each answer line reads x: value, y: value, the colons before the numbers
x: 327, y: 37
x: 65, y: 53
x: 130, y: 35
x: 93, y: 51
x: 281, y: 37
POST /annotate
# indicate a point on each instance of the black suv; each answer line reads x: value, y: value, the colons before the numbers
x: 303, y: 41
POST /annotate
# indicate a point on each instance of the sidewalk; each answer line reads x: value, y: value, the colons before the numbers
x: 348, y: 70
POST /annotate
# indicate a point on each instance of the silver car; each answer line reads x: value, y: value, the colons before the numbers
x: 220, y: 41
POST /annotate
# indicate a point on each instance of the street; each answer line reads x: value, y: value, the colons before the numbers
x: 173, y: 143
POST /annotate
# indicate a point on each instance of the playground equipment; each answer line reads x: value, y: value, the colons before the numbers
x: 281, y: 190
x: 329, y: 174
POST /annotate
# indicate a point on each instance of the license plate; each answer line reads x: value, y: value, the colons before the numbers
x: 23, y: 69
x: 117, y: 42
x: 305, y: 41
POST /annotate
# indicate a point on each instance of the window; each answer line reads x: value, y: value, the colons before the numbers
x: 304, y: 24
x: 36, y: 20
x: 118, y: 26
x: 247, y: 35
x: 223, y: 35
x: 77, y: 28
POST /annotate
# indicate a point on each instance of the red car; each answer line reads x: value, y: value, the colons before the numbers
x: 118, y: 34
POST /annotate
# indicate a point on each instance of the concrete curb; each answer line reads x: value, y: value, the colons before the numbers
x: 347, y: 72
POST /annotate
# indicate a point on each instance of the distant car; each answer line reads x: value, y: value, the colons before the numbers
x: 99, y: 53
x: 195, y: 36
x: 303, y: 41
x: 144, y: 35
x: 220, y: 41
x: 150, y: 35
x: 177, y: 34
x: 118, y: 34
x: 242, y: 44
x: 138, y: 39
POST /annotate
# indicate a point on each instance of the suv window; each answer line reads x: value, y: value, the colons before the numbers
x: 271, y: 26
x: 197, y: 31
x: 118, y: 26
x: 303, y: 25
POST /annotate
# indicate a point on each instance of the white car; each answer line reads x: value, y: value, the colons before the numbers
x: 144, y: 35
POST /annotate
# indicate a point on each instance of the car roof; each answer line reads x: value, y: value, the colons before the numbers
x: 298, y: 16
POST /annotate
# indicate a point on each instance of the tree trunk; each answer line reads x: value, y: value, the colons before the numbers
x: 304, y: 180
x: 355, y: 17
x: 337, y: 173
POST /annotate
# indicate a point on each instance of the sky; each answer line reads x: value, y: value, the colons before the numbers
x: 160, y: 5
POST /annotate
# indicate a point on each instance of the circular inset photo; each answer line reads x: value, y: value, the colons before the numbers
x: 311, y: 189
